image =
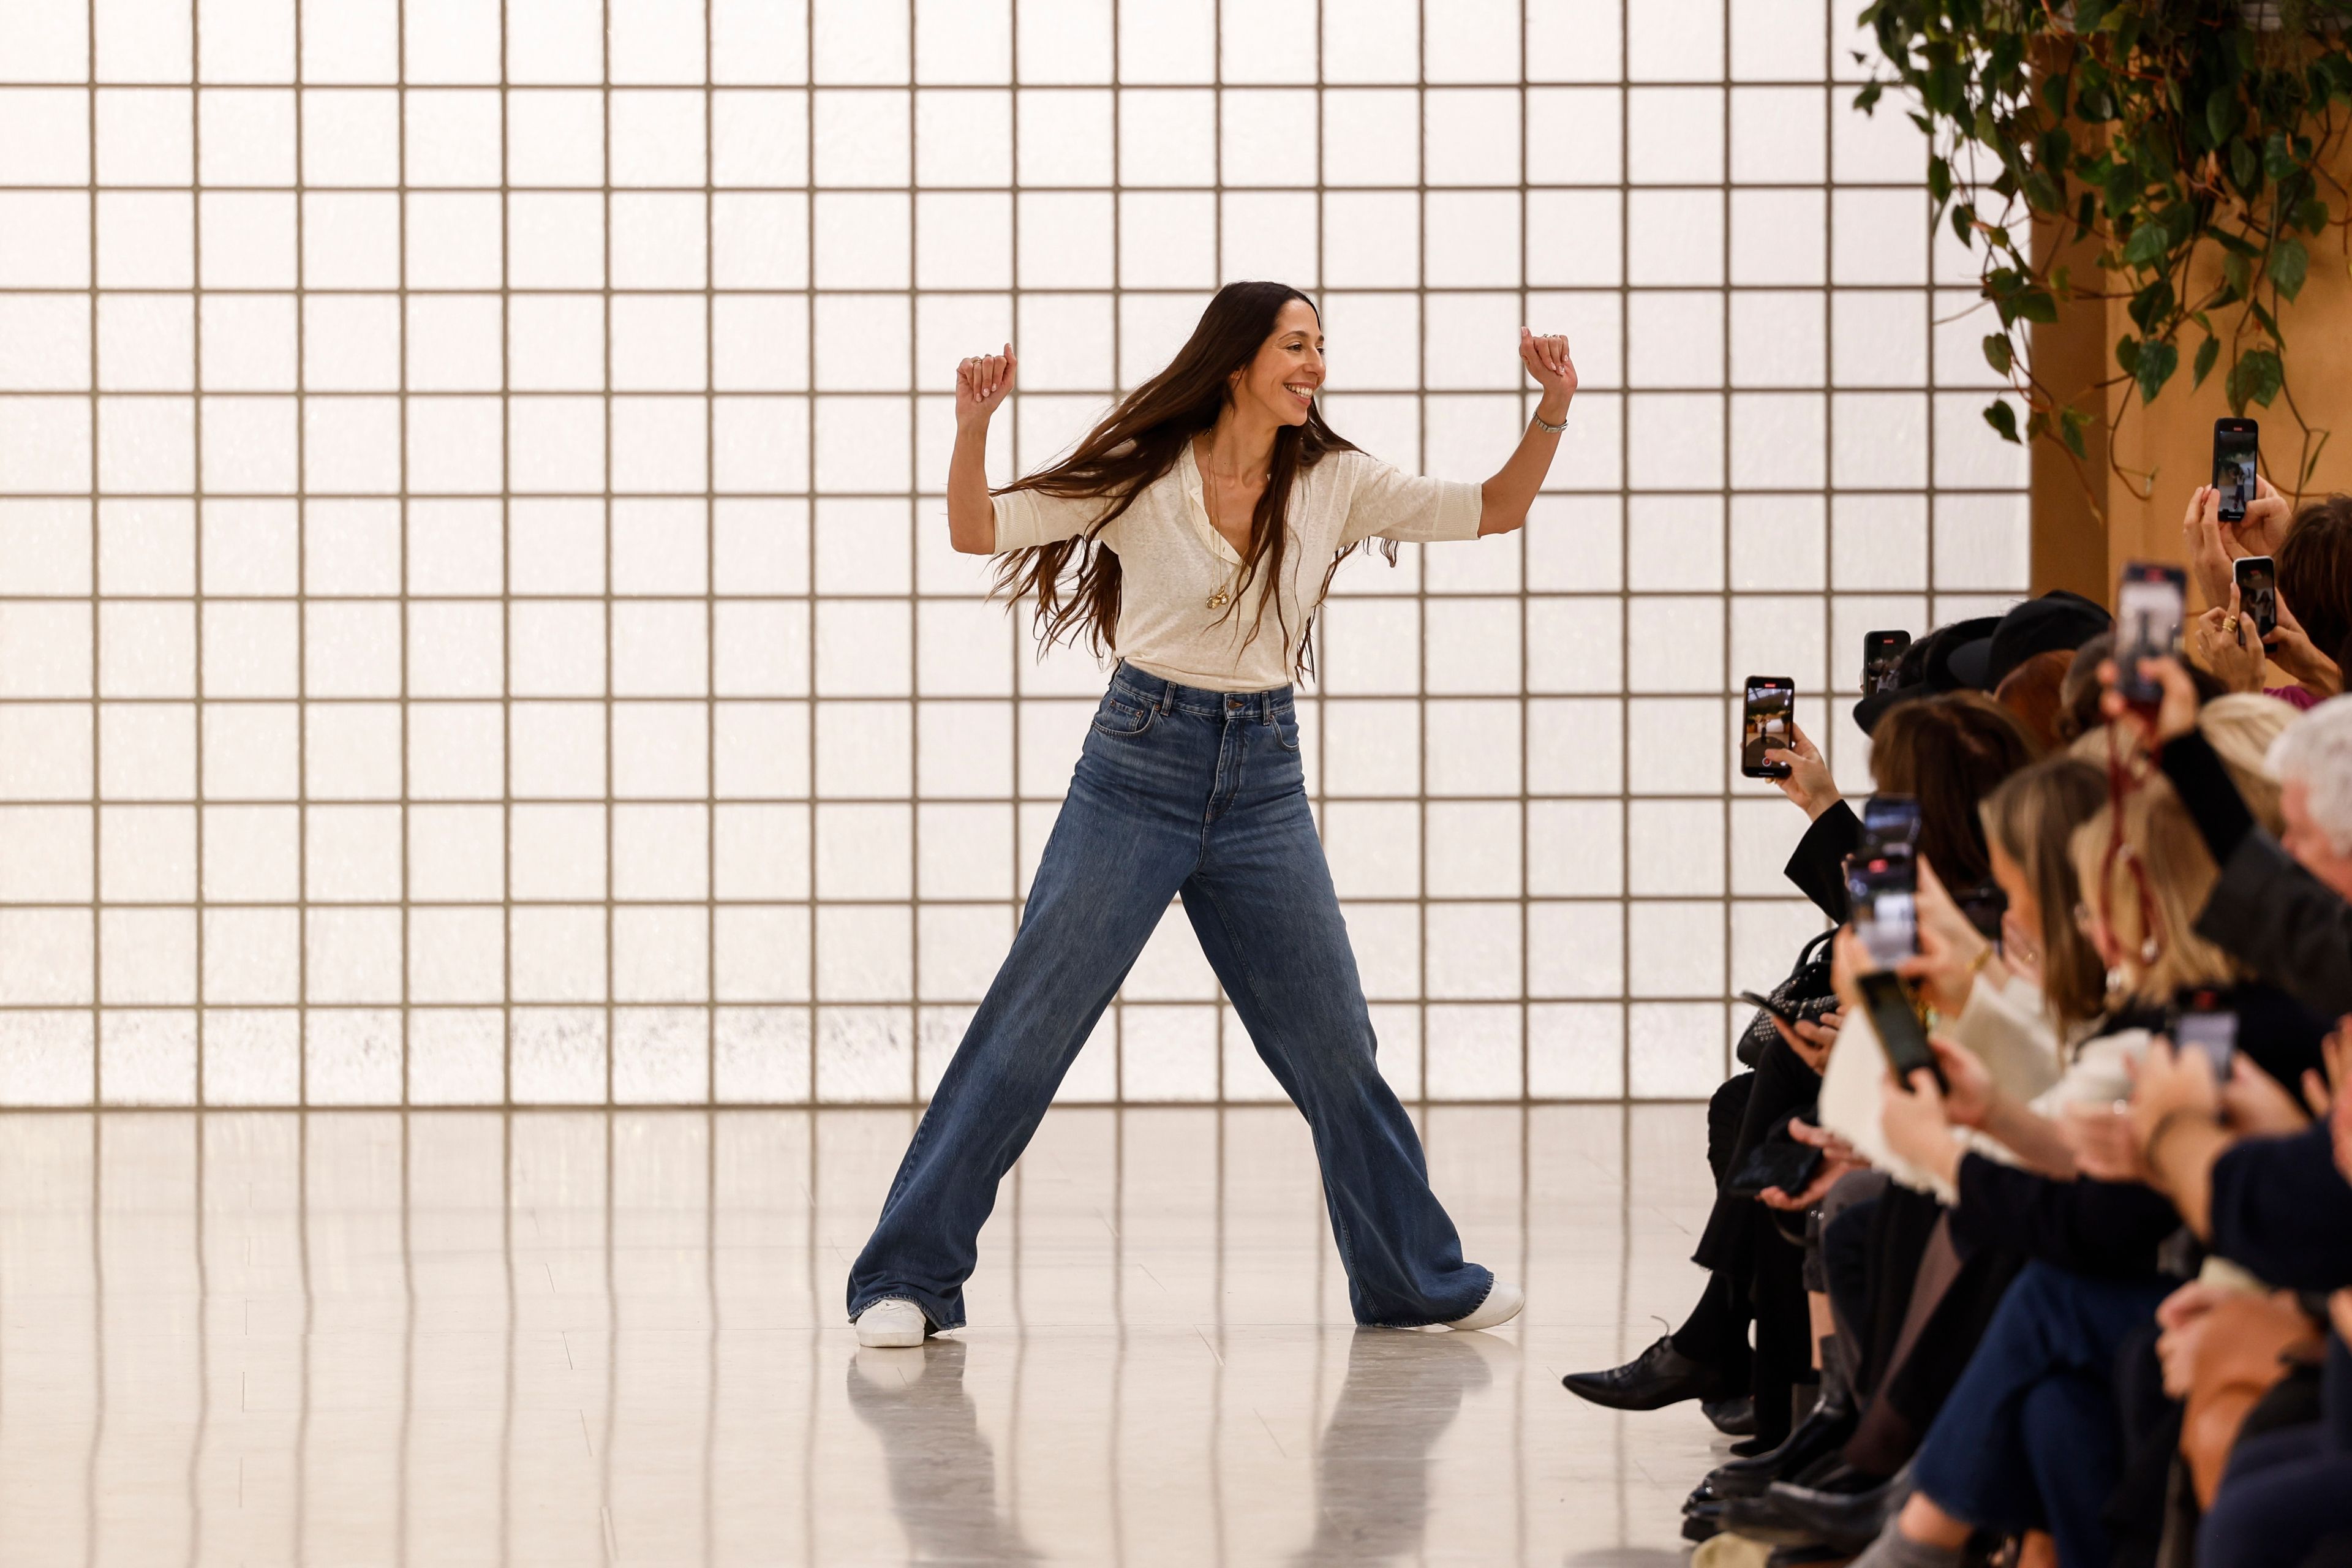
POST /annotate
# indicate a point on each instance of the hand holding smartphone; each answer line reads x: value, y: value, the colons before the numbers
x: 1768, y: 723
x: 1899, y: 1032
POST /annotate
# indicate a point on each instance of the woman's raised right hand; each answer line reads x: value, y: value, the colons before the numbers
x: 981, y: 383
x: 1809, y: 783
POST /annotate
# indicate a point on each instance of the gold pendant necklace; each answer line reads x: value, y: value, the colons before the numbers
x: 1223, y: 595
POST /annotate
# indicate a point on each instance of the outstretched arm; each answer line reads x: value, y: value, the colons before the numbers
x: 1505, y: 498
x: 981, y: 383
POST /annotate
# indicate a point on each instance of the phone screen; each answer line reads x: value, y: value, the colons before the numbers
x: 2236, y: 453
x: 2258, y: 592
x: 1984, y: 905
x: 1882, y: 892
x: 2148, y: 625
x: 1889, y: 822
x: 1899, y: 1034
x: 1881, y: 653
x: 1769, y: 724
x: 2215, y: 1034
x: 2201, y: 1022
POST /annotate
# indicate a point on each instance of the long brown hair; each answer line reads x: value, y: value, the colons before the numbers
x: 2033, y: 815
x: 1949, y: 751
x: 1076, y: 582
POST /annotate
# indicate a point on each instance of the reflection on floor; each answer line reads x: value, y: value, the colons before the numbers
x: 452, y: 1337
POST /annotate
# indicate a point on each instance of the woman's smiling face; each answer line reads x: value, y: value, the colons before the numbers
x: 1283, y: 378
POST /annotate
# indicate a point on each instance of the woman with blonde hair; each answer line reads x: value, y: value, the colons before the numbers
x: 2030, y: 1437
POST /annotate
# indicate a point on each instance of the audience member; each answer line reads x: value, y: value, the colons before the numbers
x: 2036, y: 1285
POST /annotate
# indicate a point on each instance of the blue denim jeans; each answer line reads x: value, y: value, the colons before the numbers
x: 2032, y: 1437
x: 1197, y: 793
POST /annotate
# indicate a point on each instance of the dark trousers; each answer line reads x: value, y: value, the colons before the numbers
x: 2030, y: 1437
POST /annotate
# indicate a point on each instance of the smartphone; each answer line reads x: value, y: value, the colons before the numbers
x: 1889, y: 822
x: 2148, y: 626
x: 2237, y: 452
x: 1882, y: 895
x: 1782, y: 1163
x: 1769, y: 724
x: 1984, y: 905
x: 1899, y: 1034
x: 2200, y: 1021
x: 2258, y: 592
x: 1881, y: 652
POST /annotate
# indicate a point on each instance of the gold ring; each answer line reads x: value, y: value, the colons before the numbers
x: 2230, y: 625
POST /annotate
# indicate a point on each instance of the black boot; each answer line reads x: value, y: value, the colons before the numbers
x: 1659, y: 1376
x: 1734, y: 1416
x: 1823, y: 1431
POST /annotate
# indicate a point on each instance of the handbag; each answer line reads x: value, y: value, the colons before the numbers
x: 1805, y: 995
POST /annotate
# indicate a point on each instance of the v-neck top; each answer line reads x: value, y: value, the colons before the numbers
x: 1172, y: 560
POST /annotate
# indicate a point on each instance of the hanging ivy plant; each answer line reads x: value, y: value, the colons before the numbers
x: 2164, y: 133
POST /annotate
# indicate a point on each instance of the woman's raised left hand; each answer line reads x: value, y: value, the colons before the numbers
x: 1547, y: 361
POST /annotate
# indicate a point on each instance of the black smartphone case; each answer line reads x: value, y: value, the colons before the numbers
x: 1782, y: 1163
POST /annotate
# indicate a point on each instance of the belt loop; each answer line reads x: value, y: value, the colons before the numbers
x: 1266, y: 708
x: 1167, y: 695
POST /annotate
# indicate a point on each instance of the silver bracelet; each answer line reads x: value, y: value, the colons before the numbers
x: 1547, y: 427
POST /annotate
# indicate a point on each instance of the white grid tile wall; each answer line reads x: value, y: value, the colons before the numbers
x: 476, y: 618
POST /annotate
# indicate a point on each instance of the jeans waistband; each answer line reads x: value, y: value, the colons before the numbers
x: 1167, y: 695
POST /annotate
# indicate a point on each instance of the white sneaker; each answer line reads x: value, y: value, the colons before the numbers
x: 1501, y: 1305
x: 896, y: 1325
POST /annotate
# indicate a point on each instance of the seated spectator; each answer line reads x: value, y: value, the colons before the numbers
x: 1949, y: 750
x: 2030, y: 1436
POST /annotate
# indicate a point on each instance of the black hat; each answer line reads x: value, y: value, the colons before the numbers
x: 1925, y: 670
x: 2057, y: 620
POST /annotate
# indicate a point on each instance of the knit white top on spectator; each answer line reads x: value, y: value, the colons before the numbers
x: 1175, y: 562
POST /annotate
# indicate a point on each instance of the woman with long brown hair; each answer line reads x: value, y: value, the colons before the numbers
x: 1194, y: 532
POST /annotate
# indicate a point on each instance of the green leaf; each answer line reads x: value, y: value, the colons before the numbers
x: 1867, y: 99
x: 2202, y: 366
x: 2223, y: 114
x: 2244, y: 167
x: 1997, y: 352
x: 2152, y: 305
x: 2255, y: 378
x: 1939, y: 180
x: 2127, y: 353
x: 2156, y: 363
x: 2238, y: 272
x: 2072, y: 421
x: 2036, y: 305
x: 2002, y: 418
x: 2278, y: 159
x: 2289, y: 262
x: 2147, y: 246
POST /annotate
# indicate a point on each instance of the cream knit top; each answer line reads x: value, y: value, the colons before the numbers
x: 1173, y: 561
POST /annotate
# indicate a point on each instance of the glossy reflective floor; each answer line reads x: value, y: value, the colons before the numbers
x: 451, y: 1338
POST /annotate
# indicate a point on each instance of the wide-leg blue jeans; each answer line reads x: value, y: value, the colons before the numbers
x: 1178, y: 791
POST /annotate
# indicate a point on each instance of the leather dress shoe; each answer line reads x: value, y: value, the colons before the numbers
x: 1823, y: 1431
x: 1837, y: 1516
x: 1734, y: 1416
x: 1659, y: 1376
